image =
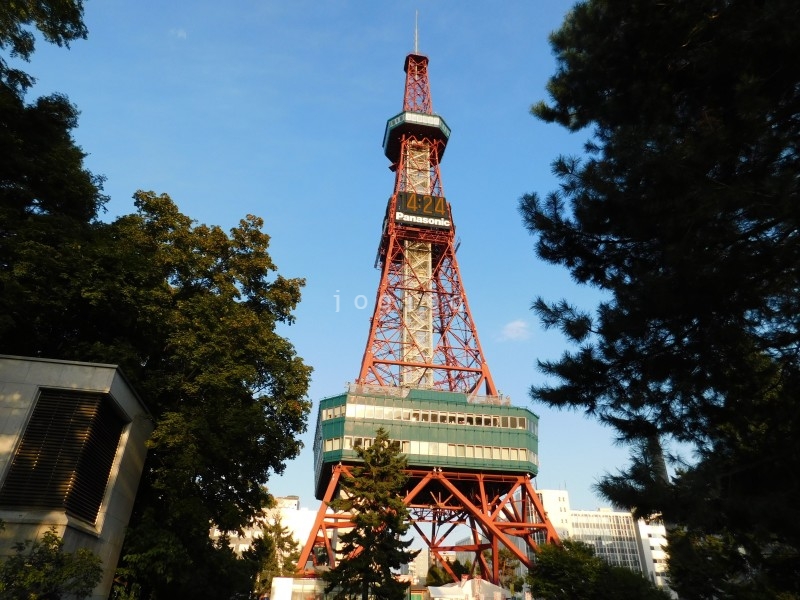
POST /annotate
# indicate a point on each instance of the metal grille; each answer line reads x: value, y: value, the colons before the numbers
x: 64, y: 459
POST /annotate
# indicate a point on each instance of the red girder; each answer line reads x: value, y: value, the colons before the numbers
x: 417, y: 97
x: 496, y: 508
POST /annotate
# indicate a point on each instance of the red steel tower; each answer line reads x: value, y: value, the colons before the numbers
x: 422, y: 333
x: 471, y: 455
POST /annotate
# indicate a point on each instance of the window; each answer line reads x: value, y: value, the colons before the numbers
x: 66, y: 453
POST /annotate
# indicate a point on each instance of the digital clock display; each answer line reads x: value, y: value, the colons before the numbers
x: 422, y: 210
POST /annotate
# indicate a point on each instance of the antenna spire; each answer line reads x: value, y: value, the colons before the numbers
x: 416, y: 32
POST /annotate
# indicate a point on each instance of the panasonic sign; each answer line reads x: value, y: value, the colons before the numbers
x: 406, y: 219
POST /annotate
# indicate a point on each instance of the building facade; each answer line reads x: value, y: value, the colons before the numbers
x: 72, y: 450
x: 615, y: 535
x: 296, y: 519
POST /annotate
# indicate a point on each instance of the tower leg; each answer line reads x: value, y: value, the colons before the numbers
x: 493, y: 511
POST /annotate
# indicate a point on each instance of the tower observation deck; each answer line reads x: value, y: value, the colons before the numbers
x: 423, y: 378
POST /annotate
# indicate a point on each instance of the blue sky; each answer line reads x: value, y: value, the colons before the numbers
x: 277, y: 108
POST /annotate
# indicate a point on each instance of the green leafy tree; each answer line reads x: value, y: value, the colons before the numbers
x: 573, y: 572
x: 437, y: 576
x: 439, y: 573
x: 189, y: 313
x: 684, y: 213
x: 227, y: 390
x: 460, y: 569
x: 57, y: 21
x: 374, y: 547
x: 41, y: 570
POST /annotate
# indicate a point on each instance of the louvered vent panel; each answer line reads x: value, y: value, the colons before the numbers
x: 64, y: 459
x: 94, y: 469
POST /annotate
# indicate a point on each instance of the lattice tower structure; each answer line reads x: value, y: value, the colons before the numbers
x: 422, y: 333
x: 471, y: 455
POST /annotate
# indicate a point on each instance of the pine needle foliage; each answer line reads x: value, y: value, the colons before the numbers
x: 374, y: 550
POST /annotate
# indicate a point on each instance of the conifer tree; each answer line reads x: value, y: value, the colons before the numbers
x: 684, y: 213
x: 373, y: 551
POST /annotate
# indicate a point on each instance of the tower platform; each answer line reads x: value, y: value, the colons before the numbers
x: 434, y: 429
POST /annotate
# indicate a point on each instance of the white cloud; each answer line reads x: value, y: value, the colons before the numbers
x: 515, y: 330
x: 179, y: 33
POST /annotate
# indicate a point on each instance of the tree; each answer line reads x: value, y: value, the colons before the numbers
x: 508, y: 565
x: 278, y: 553
x: 58, y: 21
x: 437, y: 576
x: 573, y: 572
x: 508, y: 570
x: 188, y: 312
x: 374, y: 546
x: 190, y: 315
x: 40, y: 569
x: 684, y: 214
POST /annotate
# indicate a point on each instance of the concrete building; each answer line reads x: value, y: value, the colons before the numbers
x: 652, y: 539
x: 72, y: 450
x: 611, y: 533
x: 417, y: 570
x: 296, y: 519
x: 615, y: 536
